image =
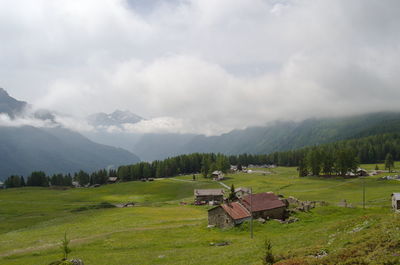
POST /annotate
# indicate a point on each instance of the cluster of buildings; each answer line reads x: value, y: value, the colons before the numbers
x: 264, y: 205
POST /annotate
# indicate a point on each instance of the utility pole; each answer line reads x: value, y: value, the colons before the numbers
x: 363, y: 193
x: 251, y: 212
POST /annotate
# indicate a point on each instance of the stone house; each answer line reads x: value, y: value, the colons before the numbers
x: 265, y: 205
x: 228, y: 215
x: 396, y: 201
x: 206, y: 196
x: 112, y: 180
x: 217, y: 175
x: 241, y: 192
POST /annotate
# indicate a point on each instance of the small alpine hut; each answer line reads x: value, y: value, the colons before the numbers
x: 396, y: 201
x: 241, y: 192
x: 362, y: 172
x: 112, y: 180
x: 208, y: 196
x: 217, y: 175
x: 228, y: 215
x: 265, y: 205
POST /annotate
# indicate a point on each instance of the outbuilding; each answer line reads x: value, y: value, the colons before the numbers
x: 396, y: 201
x: 265, y: 205
x: 206, y: 196
x: 228, y: 215
x: 241, y: 192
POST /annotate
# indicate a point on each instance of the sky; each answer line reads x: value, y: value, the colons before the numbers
x: 202, y: 66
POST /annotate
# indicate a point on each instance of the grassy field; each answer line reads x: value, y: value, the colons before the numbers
x: 158, y: 230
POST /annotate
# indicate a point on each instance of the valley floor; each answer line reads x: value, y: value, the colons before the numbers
x: 159, y: 230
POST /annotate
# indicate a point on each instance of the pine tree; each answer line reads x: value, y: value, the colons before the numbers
x: 232, y: 194
x: 389, y: 163
x: 268, y: 258
x: 303, y: 170
x: 65, y: 247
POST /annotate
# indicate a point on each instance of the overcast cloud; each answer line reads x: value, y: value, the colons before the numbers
x: 203, y: 66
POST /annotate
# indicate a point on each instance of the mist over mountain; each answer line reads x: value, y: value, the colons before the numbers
x: 275, y: 136
x: 117, y: 118
x: 47, y: 145
x: 9, y: 105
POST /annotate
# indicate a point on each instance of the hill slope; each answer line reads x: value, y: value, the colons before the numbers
x: 278, y: 136
x: 24, y: 149
x: 54, y: 150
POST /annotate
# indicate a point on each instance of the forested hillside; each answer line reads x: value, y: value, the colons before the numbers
x: 277, y: 136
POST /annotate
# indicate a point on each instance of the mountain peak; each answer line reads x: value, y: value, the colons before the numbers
x: 10, y: 105
x: 116, y: 118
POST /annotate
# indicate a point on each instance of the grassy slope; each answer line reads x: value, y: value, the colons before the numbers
x: 160, y: 231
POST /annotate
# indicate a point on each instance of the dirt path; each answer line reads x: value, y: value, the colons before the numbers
x: 82, y: 240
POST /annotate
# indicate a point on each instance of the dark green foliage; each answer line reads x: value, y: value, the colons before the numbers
x: 102, y: 205
x: 61, y: 180
x: 232, y: 194
x: 65, y: 246
x: 303, y: 170
x: 82, y: 177
x: 314, y: 161
x: 14, y: 182
x: 268, y: 257
x: 389, y: 163
x: 372, y: 149
x: 38, y: 178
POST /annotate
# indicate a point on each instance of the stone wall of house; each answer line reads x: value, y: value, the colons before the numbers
x: 219, y: 218
x: 219, y: 198
x: 277, y: 213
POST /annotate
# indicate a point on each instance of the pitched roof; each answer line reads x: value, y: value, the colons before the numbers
x: 209, y: 192
x: 262, y: 201
x: 236, y: 210
x: 243, y: 189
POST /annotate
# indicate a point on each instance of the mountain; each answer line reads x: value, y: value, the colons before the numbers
x: 9, y: 105
x: 24, y: 149
x: 276, y: 136
x: 281, y: 136
x: 117, y: 118
x: 159, y: 146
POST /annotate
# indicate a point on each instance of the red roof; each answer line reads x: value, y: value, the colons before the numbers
x: 236, y: 210
x: 262, y: 201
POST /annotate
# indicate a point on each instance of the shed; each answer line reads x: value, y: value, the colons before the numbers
x: 228, y: 215
x: 217, y: 175
x: 111, y: 180
x: 362, y: 172
x: 396, y: 201
x: 203, y: 196
x: 265, y: 205
x: 2, y: 185
x: 241, y: 192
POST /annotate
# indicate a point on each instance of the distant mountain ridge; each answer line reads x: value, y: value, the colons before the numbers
x: 117, y: 118
x: 54, y: 149
x: 277, y: 136
x: 9, y: 105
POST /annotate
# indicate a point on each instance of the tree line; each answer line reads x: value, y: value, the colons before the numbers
x: 182, y: 164
x: 332, y: 158
x: 40, y: 179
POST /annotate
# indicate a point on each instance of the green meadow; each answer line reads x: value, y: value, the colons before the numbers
x: 159, y: 229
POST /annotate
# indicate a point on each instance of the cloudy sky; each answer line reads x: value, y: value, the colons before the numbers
x: 202, y: 66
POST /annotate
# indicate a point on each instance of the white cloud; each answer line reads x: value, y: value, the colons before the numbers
x: 203, y: 66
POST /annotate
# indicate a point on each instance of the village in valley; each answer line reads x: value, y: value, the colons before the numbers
x: 232, y: 206
x: 237, y: 213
